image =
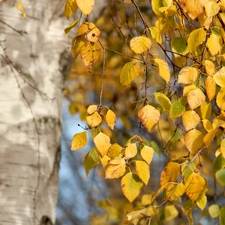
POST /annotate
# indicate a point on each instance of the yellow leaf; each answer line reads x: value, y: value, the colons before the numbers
x: 131, y: 186
x: 222, y: 148
x: 147, y: 153
x: 188, y: 88
x: 170, y: 173
x: 214, y: 210
x: 202, y: 201
x: 214, y: 43
x: 105, y: 160
x: 70, y: 8
x: 86, y: 6
x: 219, y: 77
x: 20, y: 7
x: 190, y: 120
x: 130, y: 150
x: 195, y: 98
x: 163, y: 100
x: 188, y: 75
x: 149, y: 116
x: 143, y: 171
x: 164, y: 70
x: 156, y: 34
x: 193, y: 7
x: 210, y: 87
x: 208, y: 138
x: 77, y: 43
x: 93, y: 35
x: 90, y: 53
x: 129, y: 72
x: 116, y: 168
x: 196, y: 38
x: 207, y: 125
x: 68, y: 28
x: 220, y: 99
x: 211, y: 8
x: 110, y: 118
x: 140, y: 44
x: 177, y: 109
x: 94, y: 119
x: 174, y: 191
x: 79, y: 141
x: 114, y: 150
x: 85, y: 28
x: 92, y: 109
x: 194, y: 185
x: 206, y: 109
x: 170, y: 212
x: 209, y: 67
x: 102, y: 143
x: 161, y: 6
x: 193, y: 141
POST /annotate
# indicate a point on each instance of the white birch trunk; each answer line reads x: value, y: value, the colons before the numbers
x: 31, y: 84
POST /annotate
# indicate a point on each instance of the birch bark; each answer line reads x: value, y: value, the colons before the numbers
x: 32, y: 60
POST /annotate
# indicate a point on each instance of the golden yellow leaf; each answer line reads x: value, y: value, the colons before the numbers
x: 94, y: 119
x: 211, y: 8
x: 147, y: 153
x: 68, y: 28
x: 195, y: 98
x: 110, y: 118
x: 207, y: 125
x: 92, y: 109
x: 102, y: 143
x: 86, y: 6
x: 193, y: 7
x: 140, y: 44
x: 220, y: 99
x: 105, y: 160
x: 195, y: 185
x: 129, y: 72
x: 208, y: 138
x: 206, y: 109
x: 85, y: 28
x: 210, y: 87
x: 93, y: 35
x: 188, y: 88
x: 20, y: 7
x: 209, y: 67
x: 149, y: 116
x: 164, y: 70
x: 170, y: 173
x: 77, y: 43
x: 79, y: 141
x: 196, y: 38
x: 193, y: 141
x: 114, y: 150
x: 174, y: 191
x: 190, y: 120
x: 130, y: 150
x: 219, y: 77
x: 116, y: 168
x: 131, y: 186
x: 70, y: 8
x: 90, y: 53
x: 214, y: 43
x: 143, y: 171
x: 188, y: 75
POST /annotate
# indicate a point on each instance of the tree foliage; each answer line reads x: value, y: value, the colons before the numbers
x: 156, y: 74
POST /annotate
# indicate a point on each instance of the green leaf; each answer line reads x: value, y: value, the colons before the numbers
x: 73, y: 24
x: 170, y: 212
x: 222, y: 216
x: 91, y: 160
x: 218, y: 163
x: 159, y: 6
x: 131, y: 186
x: 179, y: 45
x: 114, y: 150
x: 155, y: 147
x: 79, y: 141
x: 129, y: 72
x: 196, y: 38
x: 220, y: 177
x: 163, y: 100
x: 177, y: 109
